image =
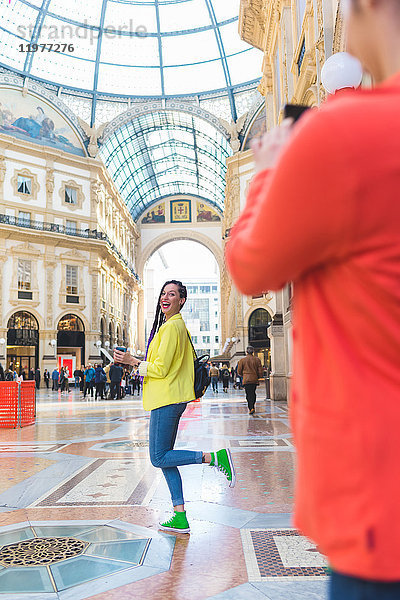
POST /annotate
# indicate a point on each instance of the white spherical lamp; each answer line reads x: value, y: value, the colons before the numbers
x: 107, y: 344
x: 341, y: 70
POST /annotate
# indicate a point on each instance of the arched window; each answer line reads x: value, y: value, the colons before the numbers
x: 22, y: 320
x: 258, y: 325
x: 70, y: 323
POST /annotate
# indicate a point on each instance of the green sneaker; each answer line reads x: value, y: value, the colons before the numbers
x: 178, y: 523
x: 222, y: 460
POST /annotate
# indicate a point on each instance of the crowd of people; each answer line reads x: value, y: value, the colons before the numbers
x: 105, y: 382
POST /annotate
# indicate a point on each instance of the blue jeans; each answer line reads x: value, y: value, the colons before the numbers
x: 214, y: 382
x: 163, y: 429
x: 343, y: 587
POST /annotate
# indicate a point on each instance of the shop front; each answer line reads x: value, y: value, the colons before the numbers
x: 22, y: 342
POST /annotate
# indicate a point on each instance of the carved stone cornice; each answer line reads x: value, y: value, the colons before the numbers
x: 252, y: 22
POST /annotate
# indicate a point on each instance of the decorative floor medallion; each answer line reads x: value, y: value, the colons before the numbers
x: 41, y: 551
x: 70, y: 558
x: 281, y: 553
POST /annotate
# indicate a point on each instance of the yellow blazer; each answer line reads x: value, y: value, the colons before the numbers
x: 169, y: 368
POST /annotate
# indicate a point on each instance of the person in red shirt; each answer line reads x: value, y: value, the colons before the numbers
x: 323, y: 211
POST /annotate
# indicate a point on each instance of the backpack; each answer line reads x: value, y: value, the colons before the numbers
x: 103, y: 377
x: 201, y: 377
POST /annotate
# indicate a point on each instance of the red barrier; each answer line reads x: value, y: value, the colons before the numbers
x: 8, y: 404
x: 27, y: 404
x: 17, y: 403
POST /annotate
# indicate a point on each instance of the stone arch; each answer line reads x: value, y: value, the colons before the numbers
x: 29, y: 309
x: 180, y: 234
x: 254, y: 307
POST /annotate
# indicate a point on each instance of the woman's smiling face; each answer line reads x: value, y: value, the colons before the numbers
x: 170, y: 302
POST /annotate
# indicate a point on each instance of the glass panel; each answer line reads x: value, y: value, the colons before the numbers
x: 19, y: 19
x: 60, y: 530
x: 184, y: 15
x: 63, y: 68
x: 123, y: 50
x: 71, y: 196
x: 24, y: 274
x: 32, y: 579
x: 24, y: 185
x: 130, y: 80
x: 72, y: 279
x: 24, y: 218
x: 83, y: 568
x: 129, y: 17
x: 9, y: 52
x: 249, y: 62
x: 89, y: 11
x: 231, y: 40
x: 225, y: 10
x: 10, y: 537
x: 184, y: 49
x: 70, y: 226
x: 194, y: 78
x: 83, y: 39
x: 131, y: 551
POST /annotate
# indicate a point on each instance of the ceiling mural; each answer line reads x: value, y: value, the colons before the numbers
x: 31, y: 118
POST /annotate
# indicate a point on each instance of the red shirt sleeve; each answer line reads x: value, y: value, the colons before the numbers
x: 298, y: 216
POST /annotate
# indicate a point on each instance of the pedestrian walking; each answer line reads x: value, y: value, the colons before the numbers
x: 46, y: 377
x: 55, y: 376
x: 37, y: 378
x: 214, y: 374
x: 168, y: 386
x: 100, y: 379
x: 116, y: 372
x: 250, y: 368
x: 225, y: 375
x: 89, y: 380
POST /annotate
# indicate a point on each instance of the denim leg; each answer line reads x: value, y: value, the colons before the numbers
x: 164, y: 423
x: 343, y: 587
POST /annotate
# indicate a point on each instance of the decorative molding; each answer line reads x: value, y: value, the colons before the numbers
x: 35, y: 184
x: 252, y: 22
x: 79, y: 195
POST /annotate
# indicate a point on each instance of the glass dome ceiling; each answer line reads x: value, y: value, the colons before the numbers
x: 166, y: 153
x: 130, y: 48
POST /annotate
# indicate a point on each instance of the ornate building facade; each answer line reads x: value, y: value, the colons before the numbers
x: 296, y: 38
x: 67, y: 242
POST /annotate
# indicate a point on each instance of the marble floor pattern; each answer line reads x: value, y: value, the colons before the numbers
x: 80, y: 504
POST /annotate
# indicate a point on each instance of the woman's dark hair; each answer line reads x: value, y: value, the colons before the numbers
x: 160, y: 317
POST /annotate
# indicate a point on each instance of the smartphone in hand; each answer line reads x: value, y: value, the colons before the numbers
x: 294, y: 111
x: 120, y: 349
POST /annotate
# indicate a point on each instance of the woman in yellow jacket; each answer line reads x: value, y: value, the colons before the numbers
x: 168, y: 386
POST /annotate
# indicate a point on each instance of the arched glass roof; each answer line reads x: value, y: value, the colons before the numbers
x: 129, y: 48
x: 165, y: 153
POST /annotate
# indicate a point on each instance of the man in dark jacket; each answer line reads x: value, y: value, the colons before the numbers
x: 37, y: 378
x: 250, y: 368
x: 116, y: 372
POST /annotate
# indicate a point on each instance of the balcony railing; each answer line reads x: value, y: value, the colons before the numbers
x: 92, y: 234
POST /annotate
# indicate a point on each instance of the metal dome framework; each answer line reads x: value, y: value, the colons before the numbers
x: 130, y: 48
x: 167, y: 153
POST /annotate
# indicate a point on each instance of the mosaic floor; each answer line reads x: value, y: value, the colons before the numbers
x: 80, y: 505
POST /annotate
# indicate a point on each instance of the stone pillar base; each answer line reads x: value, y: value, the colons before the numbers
x: 278, y: 387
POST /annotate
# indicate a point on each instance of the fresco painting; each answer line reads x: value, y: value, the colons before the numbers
x: 155, y: 215
x: 206, y: 214
x: 33, y: 119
